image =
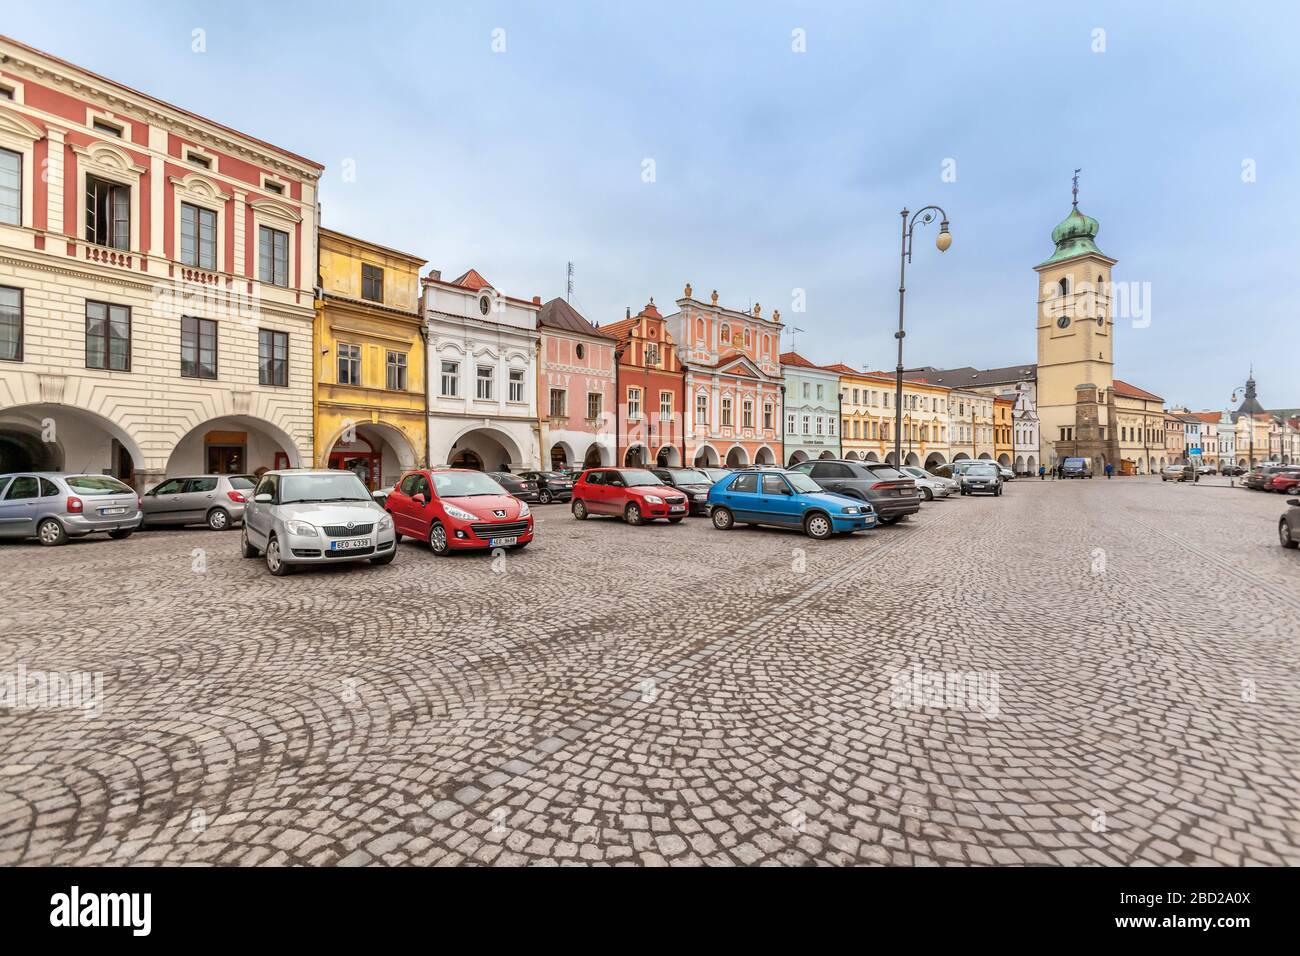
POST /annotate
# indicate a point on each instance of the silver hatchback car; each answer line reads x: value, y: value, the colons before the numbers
x: 215, y: 500
x: 299, y: 517
x: 53, y: 507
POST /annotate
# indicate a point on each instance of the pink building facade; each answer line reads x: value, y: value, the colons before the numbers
x: 577, y: 389
x: 733, y: 384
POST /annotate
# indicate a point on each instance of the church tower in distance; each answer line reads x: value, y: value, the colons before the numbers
x: 1075, y: 337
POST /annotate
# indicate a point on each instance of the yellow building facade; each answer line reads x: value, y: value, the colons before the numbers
x: 369, y: 400
x: 868, y: 419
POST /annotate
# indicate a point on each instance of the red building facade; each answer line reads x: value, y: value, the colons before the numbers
x: 649, y: 386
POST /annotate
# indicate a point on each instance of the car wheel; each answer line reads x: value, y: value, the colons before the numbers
x: 890, y: 520
x: 50, y: 533
x: 275, y: 562
x: 1284, y: 535
x: 998, y: 493
x: 579, y: 510
x: 438, y: 539
x: 723, y: 519
x: 544, y: 497
x: 927, y: 494
x: 218, y: 519
x: 632, y: 513
x: 121, y: 534
x: 246, y: 549
x: 386, y: 558
x: 818, y: 526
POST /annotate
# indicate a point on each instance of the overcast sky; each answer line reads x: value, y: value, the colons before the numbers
x: 776, y: 170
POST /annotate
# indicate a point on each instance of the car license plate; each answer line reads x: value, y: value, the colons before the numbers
x: 502, y: 542
x: 676, y: 507
x: 112, y: 511
x: 350, y: 544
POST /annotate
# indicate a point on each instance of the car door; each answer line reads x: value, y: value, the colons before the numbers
x: 778, y: 499
x: 398, y: 504
x: 18, y: 507
x: 420, y: 517
x: 615, y: 493
x: 258, y: 514
x: 162, y: 504
x: 831, y: 475
x: 200, y: 494
x: 741, y: 496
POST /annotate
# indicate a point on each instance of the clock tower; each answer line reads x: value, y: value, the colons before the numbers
x: 1075, y: 338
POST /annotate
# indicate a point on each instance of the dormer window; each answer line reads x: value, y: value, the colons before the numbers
x: 105, y: 127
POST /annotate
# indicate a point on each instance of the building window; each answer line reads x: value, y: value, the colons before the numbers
x: 789, y: 424
x: 483, y: 382
x: 701, y: 409
x: 820, y: 425
x: 450, y: 379
x: 273, y: 256
x: 198, y: 347
x: 372, y: 283
x: 271, y: 186
x: 594, y: 402
x: 349, y: 365
x: 652, y: 354
x: 559, y: 404
x: 272, y: 358
x: 198, y: 159
x: 198, y: 236
x: 821, y: 392
x: 726, y: 413
x: 807, y: 425
x: 108, y: 213
x: 807, y: 390
x: 396, y: 371
x: 6, y: 92
x: 634, y: 404
x: 767, y: 417
x: 105, y: 127
x: 108, y: 336
x: 11, y: 324
x: 747, y: 414
x: 665, y: 406
x: 830, y: 427
x: 11, y: 187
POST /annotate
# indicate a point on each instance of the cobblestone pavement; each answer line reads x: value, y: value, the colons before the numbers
x: 678, y: 694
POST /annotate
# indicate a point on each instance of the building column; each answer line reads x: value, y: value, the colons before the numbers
x: 54, y: 180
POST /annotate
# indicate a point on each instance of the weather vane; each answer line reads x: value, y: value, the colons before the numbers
x: 1076, y: 187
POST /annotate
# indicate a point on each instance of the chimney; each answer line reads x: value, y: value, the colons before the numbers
x: 435, y: 274
x: 537, y: 300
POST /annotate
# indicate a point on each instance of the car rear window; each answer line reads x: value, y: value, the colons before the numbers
x: 886, y: 472
x: 241, y: 483
x: 97, y: 485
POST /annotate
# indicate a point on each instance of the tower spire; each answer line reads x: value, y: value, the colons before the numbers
x: 1076, y: 187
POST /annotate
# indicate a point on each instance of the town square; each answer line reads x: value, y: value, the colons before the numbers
x: 488, y: 436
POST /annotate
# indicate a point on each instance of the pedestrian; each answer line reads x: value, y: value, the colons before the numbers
x: 1109, y: 469
x: 1042, y: 472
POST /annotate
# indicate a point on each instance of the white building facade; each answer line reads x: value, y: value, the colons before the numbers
x: 156, y: 276
x: 1024, y: 420
x: 483, y: 351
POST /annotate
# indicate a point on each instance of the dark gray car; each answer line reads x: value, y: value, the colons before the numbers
x: 892, y: 493
x: 692, y: 482
x: 215, y: 500
x: 983, y: 477
x: 54, y: 507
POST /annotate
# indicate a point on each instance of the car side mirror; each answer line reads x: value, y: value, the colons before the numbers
x: 263, y: 499
x: 380, y: 496
x: 419, y: 499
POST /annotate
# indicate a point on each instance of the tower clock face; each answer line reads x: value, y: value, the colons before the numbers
x: 1063, y: 322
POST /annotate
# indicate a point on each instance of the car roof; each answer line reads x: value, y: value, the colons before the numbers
x: 56, y: 474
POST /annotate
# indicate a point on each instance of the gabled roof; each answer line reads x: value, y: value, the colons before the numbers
x: 472, y: 280
x: 729, y: 361
x: 968, y: 376
x: 842, y: 369
x: 1132, y: 391
x: 1210, y: 418
x: 558, y: 314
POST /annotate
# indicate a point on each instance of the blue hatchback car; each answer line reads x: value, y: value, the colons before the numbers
x: 786, y: 500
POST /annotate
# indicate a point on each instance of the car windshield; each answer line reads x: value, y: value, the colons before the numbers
x: 689, y: 476
x: 636, y: 478
x: 983, y: 470
x: 344, y: 486
x: 97, y: 485
x: 802, y: 483
x: 465, y: 484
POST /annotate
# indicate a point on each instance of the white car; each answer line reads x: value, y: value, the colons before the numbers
x: 932, y: 486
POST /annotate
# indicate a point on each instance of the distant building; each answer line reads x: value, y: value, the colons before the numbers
x: 812, y: 410
x: 577, y: 389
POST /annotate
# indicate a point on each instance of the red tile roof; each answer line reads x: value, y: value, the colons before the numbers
x: 842, y: 369
x: 1132, y: 391
x: 472, y: 280
x: 1210, y: 418
x: 558, y: 314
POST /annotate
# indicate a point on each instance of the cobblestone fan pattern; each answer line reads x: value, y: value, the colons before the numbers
x: 677, y: 694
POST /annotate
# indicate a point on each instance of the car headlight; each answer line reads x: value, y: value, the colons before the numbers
x: 653, y: 500
x: 301, y: 528
x: 385, y: 522
x: 459, y: 513
x: 851, y: 510
x: 523, y: 509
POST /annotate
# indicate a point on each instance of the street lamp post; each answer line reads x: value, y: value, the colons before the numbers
x: 943, y: 241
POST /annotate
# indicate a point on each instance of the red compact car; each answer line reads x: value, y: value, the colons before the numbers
x: 454, y: 509
x: 633, y: 494
x: 1286, y: 482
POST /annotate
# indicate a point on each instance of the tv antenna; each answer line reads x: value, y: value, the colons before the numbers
x: 793, y: 330
x: 568, y: 293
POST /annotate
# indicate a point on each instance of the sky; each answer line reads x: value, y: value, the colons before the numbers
x: 765, y: 149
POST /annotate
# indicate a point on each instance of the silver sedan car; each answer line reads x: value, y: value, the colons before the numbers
x: 931, y: 486
x: 299, y: 517
x: 54, y: 507
x: 215, y: 500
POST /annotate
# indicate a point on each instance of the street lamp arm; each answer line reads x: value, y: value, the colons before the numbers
x: 924, y: 217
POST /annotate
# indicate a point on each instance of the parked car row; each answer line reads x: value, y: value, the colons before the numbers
x: 1284, y: 479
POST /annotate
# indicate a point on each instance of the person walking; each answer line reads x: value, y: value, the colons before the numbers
x: 1042, y: 472
x: 1109, y: 468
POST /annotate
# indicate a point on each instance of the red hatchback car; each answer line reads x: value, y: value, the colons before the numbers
x: 455, y: 509
x: 1286, y: 482
x: 633, y: 494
